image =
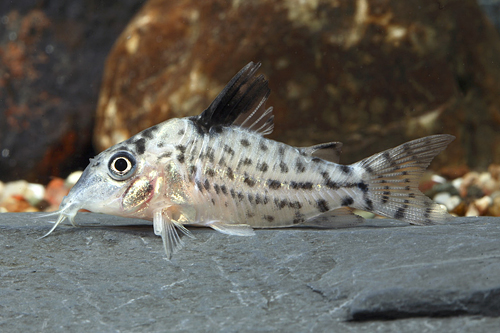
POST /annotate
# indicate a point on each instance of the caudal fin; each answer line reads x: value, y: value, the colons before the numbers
x: 393, y: 175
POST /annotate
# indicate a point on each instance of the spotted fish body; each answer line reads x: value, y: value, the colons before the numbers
x: 218, y: 170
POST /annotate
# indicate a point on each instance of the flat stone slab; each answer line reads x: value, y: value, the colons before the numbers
x: 111, y: 275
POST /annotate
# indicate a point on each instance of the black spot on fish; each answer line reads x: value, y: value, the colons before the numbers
x: 249, y: 180
x: 210, y: 154
x: 258, y: 199
x: 400, y: 213
x: 281, y: 151
x: 210, y: 172
x: 322, y: 205
x: 265, y: 200
x: 140, y: 146
x: 263, y: 146
x: 181, y: 132
x: 181, y: 148
x: 250, y: 214
x: 245, y: 143
x: 216, y: 188
x: 213, y: 202
x: 299, y: 218
x: 199, y: 185
x: 295, y: 205
x: 245, y: 161
x: 385, y: 199
x: 299, y: 166
x: 407, y: 180
x: 240, y: 196
x: 207, y: 184
x: 262, y: 167
x: 228, y: 150
x: 283, y: 167
x: 233, y: 193
x: 165, y: 155
x: 389, y: 159
x: 328, y: 182
x: 250, y: 198
x: 181, y: 158
x: 316, y: 159
x: 427, y: 213
x: 230, y: 173
x: 301, y: 186
x: 148, y: 133
x: 368, y: 204
x: 273, y: 184
x: 347, y: 201
x: 407, y: 188
x: 280, y: 203
x: 269, y: 218
x: 404, y: 173
x: 306, y: 186
x: 223, y: 188
x: 362, y: 186
x: 368, y: 169
x: 222, y: 161
x: 160, y: 144
x: 411, y: 195
x: 345, y: 169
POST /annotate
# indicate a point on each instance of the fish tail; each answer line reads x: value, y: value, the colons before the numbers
x: 392, y: 179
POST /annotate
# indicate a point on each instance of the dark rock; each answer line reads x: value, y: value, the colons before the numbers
x: 51, y: 60
x: 369, y: 73
x: 492, y: 10
x: 111, y: 275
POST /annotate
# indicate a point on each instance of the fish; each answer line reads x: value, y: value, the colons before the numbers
x: 218, y: 170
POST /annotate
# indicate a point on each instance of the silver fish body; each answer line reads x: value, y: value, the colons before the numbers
x: 218, y: 170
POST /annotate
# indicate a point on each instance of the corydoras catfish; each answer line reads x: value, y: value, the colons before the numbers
x: 217, y: 170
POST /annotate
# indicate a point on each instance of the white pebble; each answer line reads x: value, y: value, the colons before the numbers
x: 453, y: 202
x: 18, y: 187
x: 472, y: 211
x: 34, y: 193
x: 442, y: 197
x: 438, y: 179
x: 483, y: 203
x: 73, y: 178
x: 457, y: 183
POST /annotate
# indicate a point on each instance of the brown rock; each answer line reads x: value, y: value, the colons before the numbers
x: 51, y: 59
x: 369, y: 73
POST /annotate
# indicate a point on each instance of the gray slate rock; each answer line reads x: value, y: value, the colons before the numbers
x: 111, y: 275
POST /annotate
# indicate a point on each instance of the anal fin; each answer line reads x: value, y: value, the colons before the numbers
x: 334, y: 219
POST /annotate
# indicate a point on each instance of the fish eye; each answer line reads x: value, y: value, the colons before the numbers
x: 121, y: 165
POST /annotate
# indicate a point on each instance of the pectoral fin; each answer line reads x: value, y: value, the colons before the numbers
x: 166, y: 227
x: 232, y: 229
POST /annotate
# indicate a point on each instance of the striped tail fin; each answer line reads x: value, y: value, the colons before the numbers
x: 392, y: 177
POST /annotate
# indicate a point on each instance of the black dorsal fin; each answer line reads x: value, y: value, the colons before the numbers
x: 240, y: 103
x: 327, y: 151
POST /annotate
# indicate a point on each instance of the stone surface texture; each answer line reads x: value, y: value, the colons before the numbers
x: 369, y: 73
x: 110, y: 275
x: 52, y: 56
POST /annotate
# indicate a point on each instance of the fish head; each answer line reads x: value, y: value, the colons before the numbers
x: 117, y: 181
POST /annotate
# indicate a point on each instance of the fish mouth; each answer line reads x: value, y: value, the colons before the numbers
x: 67, y: 210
